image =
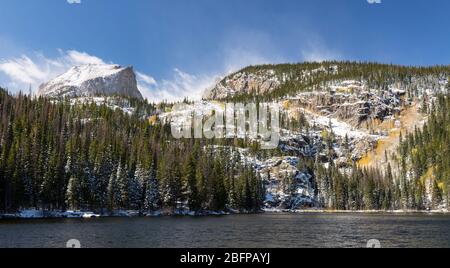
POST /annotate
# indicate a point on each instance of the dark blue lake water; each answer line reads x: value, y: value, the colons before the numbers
x: 236, y: 231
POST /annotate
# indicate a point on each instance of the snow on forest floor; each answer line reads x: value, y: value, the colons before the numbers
x: 339, y: 128
x: 40, y: 214
x: 318, y: 210
x: 115, y: 103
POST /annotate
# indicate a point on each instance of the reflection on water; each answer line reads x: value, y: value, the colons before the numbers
x: 236, y: 231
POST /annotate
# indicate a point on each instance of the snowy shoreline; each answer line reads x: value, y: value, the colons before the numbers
x: 330, y: 211
x: 40, y: 214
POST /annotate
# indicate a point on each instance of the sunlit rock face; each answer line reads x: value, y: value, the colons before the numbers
x: 93, y: 80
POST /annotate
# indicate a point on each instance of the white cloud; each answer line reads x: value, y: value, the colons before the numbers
x: 238, y: 50
x: 316, y: 50
x: 24, y: 71
x: 74, y: 1
x: 182, y: 84
x: 237, y: 59
x: 245, y: 47
x: 178, y: 87
x: 80, y: 58
x: 146, y: 79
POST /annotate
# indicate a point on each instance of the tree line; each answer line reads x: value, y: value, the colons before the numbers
x: 58, y: 156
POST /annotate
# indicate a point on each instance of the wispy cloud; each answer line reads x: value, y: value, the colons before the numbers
x: 74, y: 57
x: 74, y: 1
x: 192, y: 86
x: 24, y: 71
x: 239, y: 58
x: 316, y: 50
x: 181, y: 85
x: 146, y: 79
x: 238, y: 50
x: 244, y: 47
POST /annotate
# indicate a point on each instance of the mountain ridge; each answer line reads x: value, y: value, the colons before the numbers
x: 280, y: 80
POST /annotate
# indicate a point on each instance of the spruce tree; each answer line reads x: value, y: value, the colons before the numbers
x: 136, y: 187
x: 152, y: 195
x: 190, y: 184
x: 123, y: 186
x: 72, y: 193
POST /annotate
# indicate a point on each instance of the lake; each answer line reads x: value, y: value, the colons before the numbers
x: 269, y: 230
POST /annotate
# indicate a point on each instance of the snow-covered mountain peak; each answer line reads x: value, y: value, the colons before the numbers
x: 93, y: 80
x: 77, y: 74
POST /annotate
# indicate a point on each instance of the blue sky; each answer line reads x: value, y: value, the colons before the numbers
x: 179, y: 47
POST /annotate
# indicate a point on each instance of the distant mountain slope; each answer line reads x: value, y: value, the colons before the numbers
x: 93, y: 80
x: 283, y: 80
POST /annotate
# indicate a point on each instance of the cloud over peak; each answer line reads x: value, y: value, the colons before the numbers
x: 180, y: 85
x: 25, y: 71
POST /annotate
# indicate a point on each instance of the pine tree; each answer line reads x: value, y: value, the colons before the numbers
x: 72, y: 193
x: 219, y: 196
x: 201, y: 183
x: 113, y: 193
x: 136, y: 187
x: 437, y: 195
x: 152, y: 195
x: 190, y: 184
x: 123, y: 186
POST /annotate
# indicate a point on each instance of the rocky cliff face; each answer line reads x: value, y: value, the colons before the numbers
x: 351, y: 101
x: 264, y: 80
x: 244, y: 83
x: 93, y: 80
